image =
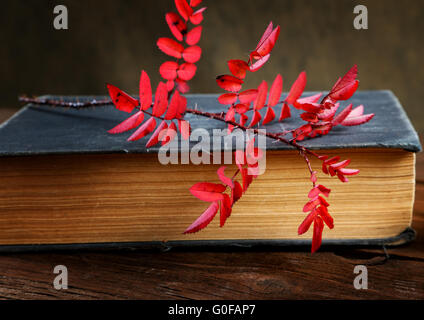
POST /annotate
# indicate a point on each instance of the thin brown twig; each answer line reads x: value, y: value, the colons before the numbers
x: 216, y: 116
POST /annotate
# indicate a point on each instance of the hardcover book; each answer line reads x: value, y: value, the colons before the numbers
x: 65, y: 182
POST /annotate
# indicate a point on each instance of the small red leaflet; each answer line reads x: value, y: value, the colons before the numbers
x: 229, y: 83
x: 176, y: 25
x: 238, y: 68
x: 206, y: 191
x: 170, y: 47
x: 192, y: 54
x: 121, y: 100
x: 184, y: 9
x: 132, y: 122
x: 204, y: 219
x: 144, y: 130
x: 193, y: 37
x: 297, y: 88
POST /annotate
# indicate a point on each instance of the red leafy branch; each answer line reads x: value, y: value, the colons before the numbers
x: 169, y: 105
x: 159, y: 115
x: 320, y: 118
x: 224, y: 195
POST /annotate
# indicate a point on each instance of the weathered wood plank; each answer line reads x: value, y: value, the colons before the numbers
x: 211, y: 275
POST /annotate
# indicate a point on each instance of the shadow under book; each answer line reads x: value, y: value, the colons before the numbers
x: 66, y: 183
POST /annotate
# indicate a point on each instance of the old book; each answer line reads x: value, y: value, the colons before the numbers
x: 66, y: 182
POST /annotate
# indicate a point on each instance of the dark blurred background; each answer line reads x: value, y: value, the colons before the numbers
x: 111, y: 41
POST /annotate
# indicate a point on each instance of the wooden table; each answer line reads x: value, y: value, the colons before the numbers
x: 217, y: 274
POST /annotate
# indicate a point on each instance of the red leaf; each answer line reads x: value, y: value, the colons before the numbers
x: 323, y: 212
x: 229, y: 116
x: 332, y: 160
x: 253, y: 154
x: 321, y: 129
x: 341, y: 177
x: 310, y: 99
x: 317, y: 237
x: 161, y: 100
x: 313, y: 193
x: 226, y: 208
x: 305, y: 225
x: 269, y: 116
x: 132, y: 122
x: 182, y: 106
x: 174, y: 106
x: 182, y: 86
x: 311, y: 204
x: 309, y: 117
x: 340, y: 165
x: 285, y: 112
x: 346, y: 92
x: 297, y: 88
x: 328, y: 114
x: 324, y: 168
x: 358, y: 111
x: 323, y: 201
x: 302, y: 132
x: 261, y: 97
x: 170, y: 134
x: 266, y: 35
x: 310, y: 107
x: 145, y: 91
x: 348, y: 172
x: 224, y: 179
x: 256, y: 118
x: 197, y: 16
x: 184, y: 9
x: 259, y: 63
x: 248, y: 96
x: 168, y: 70
x: 193, y: 37
x: 176, y: 25
x: 184, y: 129
x: 229, y: 83
x: 158, y: 135
x: 144, y: 130
x: 325, y: 191
x: 227, y: 98
x: 243, y: 172
x: 207, y: 191
x: 342, y: 115
x: 187, y: 71
x: 243, y: 119
x: 121, y: 100
x: 348, y: 79
x: 268, y: 42
x: 275, y: 91
x: 170, y: 85
x: 323, y: 157
x: 238, y: 68
x: 195, y: 3
x: 170, y: 47
x: 355, y: 121
x: 204, y: 219
x: 237, y: 192
x: 317, y: 190
x: 241, y: 108
x: 192, y: 54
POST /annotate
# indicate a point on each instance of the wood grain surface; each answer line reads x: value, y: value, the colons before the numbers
x: 65, y: 199
x: 395, y: 273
